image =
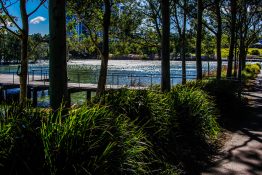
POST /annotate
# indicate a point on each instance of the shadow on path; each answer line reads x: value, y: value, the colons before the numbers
x: 242, y: 153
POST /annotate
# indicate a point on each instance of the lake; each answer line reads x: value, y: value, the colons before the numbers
x: 120, y: 72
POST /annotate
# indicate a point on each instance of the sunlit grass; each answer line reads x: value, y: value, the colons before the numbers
x: 225, y: 51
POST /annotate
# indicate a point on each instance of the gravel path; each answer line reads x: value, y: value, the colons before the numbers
x: 242, y: 152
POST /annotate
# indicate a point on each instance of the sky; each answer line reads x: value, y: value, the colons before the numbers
x: 38, y: 22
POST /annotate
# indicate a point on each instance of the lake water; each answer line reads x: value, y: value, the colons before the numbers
x: 120, y: 72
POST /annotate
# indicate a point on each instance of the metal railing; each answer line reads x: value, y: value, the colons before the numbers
x: 113, y: 79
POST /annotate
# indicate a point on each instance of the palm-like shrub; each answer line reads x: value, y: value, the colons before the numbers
x: 94, y: 141
x: 21, y: 150
x: 227, y: 97
x: 184, y: 115
x: 196, y: 113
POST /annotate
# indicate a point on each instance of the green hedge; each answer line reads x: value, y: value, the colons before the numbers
x: 251, y: 71
x: 87, y: 141
x: 181, y: 125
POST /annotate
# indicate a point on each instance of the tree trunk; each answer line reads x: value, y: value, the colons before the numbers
x: 219, y: 39
x: 105, y: 51
x: 165, y: 44
x: 24, y: 47
x: 243, y: 36
x: 235, y: 61
x: 57, y: 60
x: 232, y: 38
x: 199, y: 39
x: 183, y: 45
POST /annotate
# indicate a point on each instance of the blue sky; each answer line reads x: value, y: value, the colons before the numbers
x: 38, y: 21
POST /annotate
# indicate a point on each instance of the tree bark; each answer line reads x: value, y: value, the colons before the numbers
x: 199, y: 39
x: 235, y: 60
x: 165, y: 44
x: 58, y: 64
x: 183, y: 45
x: 24, y: 47
x: 219, y: 39
x: 105, y: 51
x: 232, y: 38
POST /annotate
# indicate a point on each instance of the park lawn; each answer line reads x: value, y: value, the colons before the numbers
x: 225, y: 51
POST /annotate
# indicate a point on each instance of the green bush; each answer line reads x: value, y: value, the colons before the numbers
x: 251, y: 71
x: 259, y: 65
x: 226, y: 96
x: 95, y: 141
x: 196, y: 113
x: 150, y: 111
x: 21, y: 150
x: 162, y: 118
x: 255, y: 52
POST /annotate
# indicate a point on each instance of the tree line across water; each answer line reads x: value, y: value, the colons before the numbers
x: 148, y: 26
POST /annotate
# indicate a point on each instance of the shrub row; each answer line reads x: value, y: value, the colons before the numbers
x: 181, y: 125
x: 87, y: 141
x: 132, y: 132
x: 251, y: 71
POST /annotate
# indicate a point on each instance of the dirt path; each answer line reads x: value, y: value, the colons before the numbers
x: 242, y: 152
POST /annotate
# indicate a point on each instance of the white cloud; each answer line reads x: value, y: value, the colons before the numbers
x: 37, y: 20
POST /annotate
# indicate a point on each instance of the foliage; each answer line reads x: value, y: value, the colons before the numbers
x: 94, y: 141
x: 38, y: 47
x: 21, y: 150
x: 9, y: 48
x: 175, y: 122
x: 251, y: 71
x: 196, y: 112
x: 255, y: 52
x: 227, y: 98
x: 87, y: 141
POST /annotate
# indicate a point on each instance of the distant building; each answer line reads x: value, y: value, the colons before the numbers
x: 79, y: 27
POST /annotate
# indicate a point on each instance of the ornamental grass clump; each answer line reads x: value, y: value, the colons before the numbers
x: 151, y: 112
x: 226, y: 95
x: 94, y: 141
x: 196, y: 113
x: 21, y: 150
x: 171, y: 129
x: 197, y: 130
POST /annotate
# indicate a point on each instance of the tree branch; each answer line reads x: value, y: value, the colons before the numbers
x: 39, y: 5
x: 9, y: 30
x: 9, y: 16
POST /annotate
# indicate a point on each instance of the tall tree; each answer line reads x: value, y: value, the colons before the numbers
x: 96, y: 17
x: 181, y: 25
x: 199, y: 38
x: 57, y: 64
x: 249, y: 18
x: 22, y: 34
x: 219, y: 38
x: 165, y: 46
x: 105, y: 50
x: 233, y: 6
x: 215, y: 26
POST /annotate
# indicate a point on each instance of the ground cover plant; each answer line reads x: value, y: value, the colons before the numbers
x: 21, y: 150
x: 95, y: 141
x: 227, y: 94
x: 87, y: 141
x: 176, y: 123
